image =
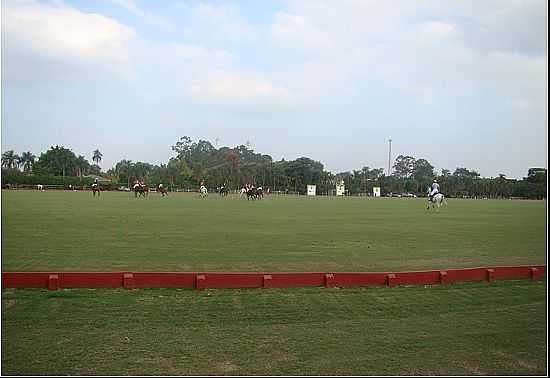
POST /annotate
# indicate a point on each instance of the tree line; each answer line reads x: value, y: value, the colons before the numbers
x: 57, y: 161
x: 196, y: 161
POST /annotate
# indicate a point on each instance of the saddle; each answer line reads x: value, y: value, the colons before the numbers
x: 430, y: 197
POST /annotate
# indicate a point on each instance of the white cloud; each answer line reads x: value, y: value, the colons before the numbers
x: 148, y: 17
x: 186, y: 55
x: 239, y: 89
x: 436, y: 31
x: 57, y: 42
x: 293, y: 31
x: 426, y: 48
x: 44, y: 41
x: 217, y: 23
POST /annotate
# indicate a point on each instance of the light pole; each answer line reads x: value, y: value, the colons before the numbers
x: 389, y: 159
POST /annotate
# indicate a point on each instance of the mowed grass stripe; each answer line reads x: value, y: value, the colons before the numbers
x: 463, y: 329
x: 72, y: 231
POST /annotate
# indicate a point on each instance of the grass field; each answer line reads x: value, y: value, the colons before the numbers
x: 72, y: 231
x: 462, y: 329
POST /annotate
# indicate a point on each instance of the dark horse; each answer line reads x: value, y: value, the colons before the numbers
x: 223, y: 191
x: 162, y: 190
x: 96, y: 189
x: 142, y: 190
x: 254, y: 193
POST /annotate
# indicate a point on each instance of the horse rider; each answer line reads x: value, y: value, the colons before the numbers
x: 434, y: 190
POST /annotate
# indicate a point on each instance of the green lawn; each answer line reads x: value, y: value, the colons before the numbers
x: 72, y: 231
x: 463, y: 329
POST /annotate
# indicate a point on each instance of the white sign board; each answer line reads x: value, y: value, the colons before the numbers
x: 311, y: 190
x: 340, y: 188
x: 376, y: 191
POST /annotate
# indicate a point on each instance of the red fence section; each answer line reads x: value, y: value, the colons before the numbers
x: 227, y: 280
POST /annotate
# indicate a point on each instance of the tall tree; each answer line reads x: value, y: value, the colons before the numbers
x: 423, y: 173
x: 27, y: 161
x: 537, y: 175
x: 57, y: 160
x: 178, y: 171
x: 97, y: 156
x: 123, y: 169
x: 82, y: 165
x: 404, y: 166
x: 183, y: 147
x: 233, y: 161
x: 464, y: 172
x: 10, y: 159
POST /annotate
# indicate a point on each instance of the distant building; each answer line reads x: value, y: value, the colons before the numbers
x: 99, y: 178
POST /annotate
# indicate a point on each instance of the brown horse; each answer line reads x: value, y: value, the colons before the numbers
x: 96, y: 189
x: 142, y: 190
x: 223, y: 191
x: 162, y: 190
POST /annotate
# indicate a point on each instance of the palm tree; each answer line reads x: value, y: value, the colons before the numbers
x: 82, y: 165
x: 10, y: 159
x: 124, y: 168
x: 97, y: 156
x: 27, y: 161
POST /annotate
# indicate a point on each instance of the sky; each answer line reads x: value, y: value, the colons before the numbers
x: 460, y: 83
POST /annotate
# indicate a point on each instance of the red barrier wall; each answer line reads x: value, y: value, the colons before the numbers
x: 164, y: 279
x: 219, y: 280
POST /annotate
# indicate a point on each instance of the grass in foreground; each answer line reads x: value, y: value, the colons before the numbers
x: 72, y: 231
x: 463, y: 329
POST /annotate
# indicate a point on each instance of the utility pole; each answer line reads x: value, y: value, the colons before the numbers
x: 389, y: 159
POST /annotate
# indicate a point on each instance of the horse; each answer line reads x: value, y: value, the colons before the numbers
x: 243, y: 192
x: 142, y: 190
x: 162, y: 190
x: 436, y: 201
x: 223, y: 191
x: 96, y: 189
x: 40, y: 187
x: 203, y: 192
x: 252, y: 193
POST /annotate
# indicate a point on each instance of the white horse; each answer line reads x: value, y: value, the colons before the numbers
x: 437, y: 200
x: 203, y: 192
x: 40, y: 187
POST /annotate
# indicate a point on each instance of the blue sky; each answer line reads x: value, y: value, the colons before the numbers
x: 459, y: 83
